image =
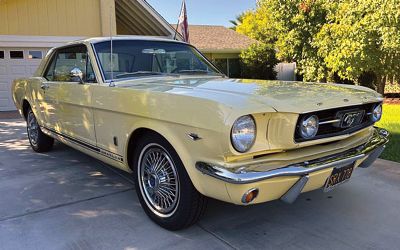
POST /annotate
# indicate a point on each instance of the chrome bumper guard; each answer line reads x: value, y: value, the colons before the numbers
x: 373, y: 148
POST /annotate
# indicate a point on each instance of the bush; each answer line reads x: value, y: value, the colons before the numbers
x: 259, y: 61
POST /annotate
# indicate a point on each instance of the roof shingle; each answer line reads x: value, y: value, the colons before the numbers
x: 210, y: 38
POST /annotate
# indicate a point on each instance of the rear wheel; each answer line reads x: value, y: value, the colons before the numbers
x: 39, y: 141
x: 163, y: 186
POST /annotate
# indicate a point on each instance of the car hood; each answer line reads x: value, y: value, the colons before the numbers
x: 282, y: 96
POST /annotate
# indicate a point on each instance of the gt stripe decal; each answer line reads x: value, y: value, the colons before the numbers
x: 89, y: 146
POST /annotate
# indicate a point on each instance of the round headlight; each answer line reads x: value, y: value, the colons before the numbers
x: 377, y: 113
x: 243, y: 133
x: 309, y: 127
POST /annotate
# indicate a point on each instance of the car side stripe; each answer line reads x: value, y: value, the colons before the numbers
x: 88, y: 146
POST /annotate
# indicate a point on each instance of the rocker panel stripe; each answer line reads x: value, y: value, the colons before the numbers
x: 88, y: 146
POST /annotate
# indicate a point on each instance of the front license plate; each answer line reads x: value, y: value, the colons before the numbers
x: 338, y: 176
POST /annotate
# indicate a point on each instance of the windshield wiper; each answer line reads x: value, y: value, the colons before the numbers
x: 138, y: 73
x: 198, y: 71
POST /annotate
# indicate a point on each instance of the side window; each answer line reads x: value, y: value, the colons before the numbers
x: 68, y: 59
x: 64, y: 60
x: 49, y: 73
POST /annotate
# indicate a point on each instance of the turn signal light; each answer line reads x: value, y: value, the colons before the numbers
x: 250, y: 195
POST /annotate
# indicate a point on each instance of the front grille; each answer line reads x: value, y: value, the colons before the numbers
x: 328, y: 128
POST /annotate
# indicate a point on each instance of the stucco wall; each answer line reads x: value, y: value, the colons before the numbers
x: 50, y: 17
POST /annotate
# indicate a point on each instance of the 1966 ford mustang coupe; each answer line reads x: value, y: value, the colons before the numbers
x: 159, y: 109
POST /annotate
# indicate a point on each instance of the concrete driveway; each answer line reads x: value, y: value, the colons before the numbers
x: 67, y: 200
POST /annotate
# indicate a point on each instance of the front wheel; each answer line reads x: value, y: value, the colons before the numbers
x: 163, y: 186
x: 39, y: 141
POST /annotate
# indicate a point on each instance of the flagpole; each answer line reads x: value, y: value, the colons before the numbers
x: 176, y: 29
x: 177, y: 23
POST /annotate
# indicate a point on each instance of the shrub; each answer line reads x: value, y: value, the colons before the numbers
x: 259, y: 61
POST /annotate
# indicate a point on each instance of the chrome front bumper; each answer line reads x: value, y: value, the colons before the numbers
x: 372, y: 150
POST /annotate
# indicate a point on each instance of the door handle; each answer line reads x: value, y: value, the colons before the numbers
x: 44, y: 86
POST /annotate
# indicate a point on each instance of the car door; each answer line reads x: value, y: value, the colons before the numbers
x: 67, y: 98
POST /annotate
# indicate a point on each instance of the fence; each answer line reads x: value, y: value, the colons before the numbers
x: 392, y: 85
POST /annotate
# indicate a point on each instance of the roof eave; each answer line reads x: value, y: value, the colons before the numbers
x: 224, y: 51
x: 161, y: 20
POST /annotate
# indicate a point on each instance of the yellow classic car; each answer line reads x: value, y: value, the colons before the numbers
x: 157, y: 108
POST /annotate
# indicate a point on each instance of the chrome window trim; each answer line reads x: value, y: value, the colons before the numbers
x: 140, y: 77
x: 98, y: 63
x: 53, y: 52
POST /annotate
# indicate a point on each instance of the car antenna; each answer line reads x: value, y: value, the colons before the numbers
x: 111, y: 51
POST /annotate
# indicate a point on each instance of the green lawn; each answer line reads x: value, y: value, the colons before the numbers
x: 391, y: 122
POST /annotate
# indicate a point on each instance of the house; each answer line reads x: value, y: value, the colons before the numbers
x: 221, y: 45
x: 29, y: 28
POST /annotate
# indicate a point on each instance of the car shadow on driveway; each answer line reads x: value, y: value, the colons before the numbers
x: 67, y: 200
x: 35, y: 181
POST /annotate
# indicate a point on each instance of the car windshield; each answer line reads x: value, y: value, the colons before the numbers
x: 138, y: 58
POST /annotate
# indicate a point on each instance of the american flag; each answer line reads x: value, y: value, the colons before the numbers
x: 183, y: 26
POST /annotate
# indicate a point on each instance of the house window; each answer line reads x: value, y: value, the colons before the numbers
x: 229, y: 66
x: 35, y: 55
x: 222, y: 64
x: 235, y: 69
x: 16, y: 54
x: 1, y: 54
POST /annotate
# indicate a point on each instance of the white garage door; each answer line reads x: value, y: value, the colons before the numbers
x: 16, y: 63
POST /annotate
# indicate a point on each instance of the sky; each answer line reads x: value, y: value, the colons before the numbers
x: 214, y: 12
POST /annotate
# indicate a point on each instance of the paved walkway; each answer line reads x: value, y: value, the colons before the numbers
x: 66, y: 200
x: 9, y: 115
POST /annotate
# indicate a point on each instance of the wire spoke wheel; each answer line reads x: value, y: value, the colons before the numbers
x: 33, y: 129
x: 159, y: 181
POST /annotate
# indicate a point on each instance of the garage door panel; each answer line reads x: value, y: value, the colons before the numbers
x: 4, y: 103
x: 3, y: 70
x: 11, y: 69
x: 3, y: 93
x: 18, y: 70
x: 4, y: 86
x: 5, y: 79
x: 32, y: 69
x: 4, y: 98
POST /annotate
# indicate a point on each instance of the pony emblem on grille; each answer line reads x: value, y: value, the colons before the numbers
x: 351, y: 119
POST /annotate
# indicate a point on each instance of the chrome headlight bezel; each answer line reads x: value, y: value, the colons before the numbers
x: 308, y: 127
x: 377, y: 112
x: 238, y: 139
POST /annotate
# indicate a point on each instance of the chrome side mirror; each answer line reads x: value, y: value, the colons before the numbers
x: 76, y: 75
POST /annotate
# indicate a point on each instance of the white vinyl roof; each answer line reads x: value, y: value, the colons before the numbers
x: 139, y: 38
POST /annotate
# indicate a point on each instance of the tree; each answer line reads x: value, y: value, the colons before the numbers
x: 238, y: 21
x: 259, y: 61
x: 361, y: 41
x: 298, y: 22
x: 290, y: 26
x: 348, y: 41
x: 259, y: 24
